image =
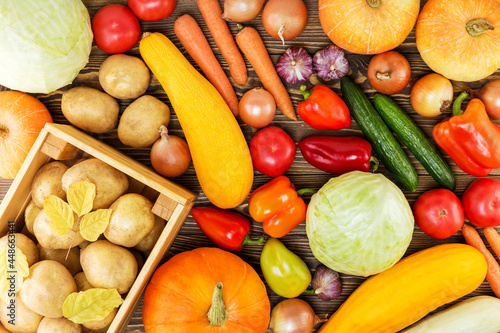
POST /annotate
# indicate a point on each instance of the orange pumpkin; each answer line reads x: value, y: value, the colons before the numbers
x: 368, y: 26
x: 22, y: 117
x: 206, y: 290
x: 460, y: 39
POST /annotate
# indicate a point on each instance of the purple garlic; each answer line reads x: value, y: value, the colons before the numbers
x: 326, y: 283
x: 331, y: 63
x: 295, y: 65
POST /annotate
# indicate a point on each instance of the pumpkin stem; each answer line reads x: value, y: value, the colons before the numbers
x: 217, y: 314
x: 374, y: 3
x: 4, y: 131
x: 477, y: 27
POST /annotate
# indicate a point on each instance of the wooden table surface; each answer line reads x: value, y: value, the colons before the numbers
x: 300, y: 173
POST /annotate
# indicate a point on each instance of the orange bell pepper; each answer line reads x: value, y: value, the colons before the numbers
x: 278, y: 206
x: 470, y: 138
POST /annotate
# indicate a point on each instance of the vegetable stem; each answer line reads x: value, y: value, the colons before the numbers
x: 373, y: 163
x: 217, y: 314
x: 309, y: 291
x: 477, y: 27
x: 4, y: 131
x: 305, y: 191
x: 304, y: 92
x: 457, y: 105
x: 374, y: 3
x: 248, y: 241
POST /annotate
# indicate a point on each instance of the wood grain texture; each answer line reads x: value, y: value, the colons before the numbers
x: 301, y: 173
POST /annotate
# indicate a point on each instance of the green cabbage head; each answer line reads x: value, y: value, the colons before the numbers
x: 43, y: 43
x: 359, y: 223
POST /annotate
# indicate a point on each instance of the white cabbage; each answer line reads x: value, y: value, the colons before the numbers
x: 359, y: 223
x: 43, y: 43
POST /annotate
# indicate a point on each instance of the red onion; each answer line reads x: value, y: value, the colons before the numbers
x: 295, y: 65
x: 331, y: 63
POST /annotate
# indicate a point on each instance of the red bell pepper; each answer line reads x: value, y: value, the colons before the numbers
x: 278, y: 206
x: 338, y: 155
x: 228, y: 229
x: 470, y: 138
x: 323, y: 109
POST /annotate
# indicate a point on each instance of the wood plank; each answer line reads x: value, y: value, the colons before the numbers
x: 301, y: 173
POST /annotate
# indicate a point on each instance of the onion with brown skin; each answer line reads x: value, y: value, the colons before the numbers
x: 389, y: 72
x: 284, y: 19
x: 242, y: 10
x: 431, y: 95
x: 257, y: 108
x: 293, y: 315
x: 170, y: 155
x: 490, y: 96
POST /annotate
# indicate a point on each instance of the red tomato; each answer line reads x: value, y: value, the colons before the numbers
x: 116, y: 29
x: 272, y: 150
x: 481, y: 202
x: 152, y: 10
x: 439, y: 213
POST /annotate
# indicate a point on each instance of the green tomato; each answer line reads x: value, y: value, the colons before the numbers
x: 285, y: 273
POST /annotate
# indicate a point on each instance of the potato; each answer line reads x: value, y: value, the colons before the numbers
x: 49, y: 239
x: 124, y: 76
x: 82, y: 283
x: 24, y: 243
x: 30, y: 214
x: 107, y: 265
x: 97, y: 325
x: 139, y: 257
x: 131, y: 220
x: 149, y: 241
x: 90, y: 109
x: 139, y: 123
x: 46, y: 288
x: 16, y: 317
x: 47, y: 181
x: 110, y: 183
x: 71, y: 261
x: 53, y: 325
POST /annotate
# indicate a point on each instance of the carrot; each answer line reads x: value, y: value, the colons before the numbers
x: 493, y: 274
x: 253, y: 48
x: 212, y: 14
x: 192, y: 38
x: 493, y: 239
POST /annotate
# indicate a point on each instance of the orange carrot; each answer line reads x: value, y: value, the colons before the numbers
x: 212, y: 14
x: 493, y: 274
x: 192, y: 38
x: 253, y: 48
x: 493, y: 239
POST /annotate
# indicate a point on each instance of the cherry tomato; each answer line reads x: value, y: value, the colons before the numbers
x: 439, y: 213
x: 389, y: 72
x: 257, y: 108
x: 481, y: 201
x: 152, y: 10
x: 272, y: 150
x: 116, y: 29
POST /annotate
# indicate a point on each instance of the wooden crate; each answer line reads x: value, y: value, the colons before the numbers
x: 63, y: 142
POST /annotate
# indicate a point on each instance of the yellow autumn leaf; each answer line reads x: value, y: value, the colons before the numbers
x: 91, y: 305
x: 60, y: 215
x: 13, y: 269
x: 81, y: 196
x: 93, y: 224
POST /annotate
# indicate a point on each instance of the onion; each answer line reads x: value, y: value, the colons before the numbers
x: 284, y: 19
x: 170, y: 154
x: 293, y: 315
x: 295, y: 65
x: 431, y: 95
x: 242, y: 10
x: 257, y: 108
x: 389, y: 72
x: 490, y: 96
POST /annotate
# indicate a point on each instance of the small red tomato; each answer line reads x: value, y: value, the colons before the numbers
x: 152, y: 10
x: 481, y: 201
x: 272, y: 150
x: 116, y: 29
x: 439, y: 213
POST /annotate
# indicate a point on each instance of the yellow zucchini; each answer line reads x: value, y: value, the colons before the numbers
x: 480, y: 314
x: 406, y: 292
x: 219, y: 151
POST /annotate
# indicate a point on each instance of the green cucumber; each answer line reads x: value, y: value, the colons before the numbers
x: 416, y: 141
x: 380, y: 136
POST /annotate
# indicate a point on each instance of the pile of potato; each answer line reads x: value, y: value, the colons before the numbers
x: 122, y: 77
x: 113, y: 261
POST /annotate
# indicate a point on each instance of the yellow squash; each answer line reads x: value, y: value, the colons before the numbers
x: 218, y: 148
x: 406, y: 292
